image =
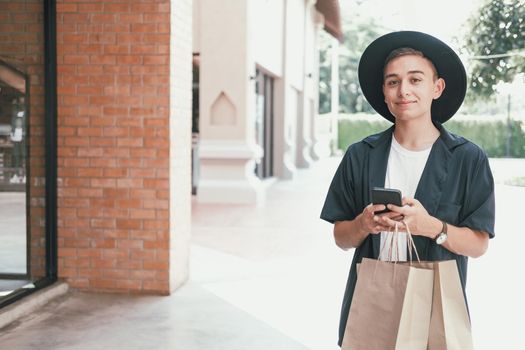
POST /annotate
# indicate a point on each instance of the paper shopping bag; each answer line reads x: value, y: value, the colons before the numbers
x: 449, y: 323
x: 390, y: 308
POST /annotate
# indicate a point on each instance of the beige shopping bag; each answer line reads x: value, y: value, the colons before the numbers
x: 450, y: 323
x: 390, y: 308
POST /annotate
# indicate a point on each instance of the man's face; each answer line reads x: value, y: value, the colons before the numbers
x: 410, y: 86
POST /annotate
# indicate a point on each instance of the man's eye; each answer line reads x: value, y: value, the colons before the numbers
x: 391, y: 82
x: 416, y: 80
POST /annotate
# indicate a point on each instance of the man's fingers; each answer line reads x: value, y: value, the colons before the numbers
x: 392, y: 215
x: 398, y: 210
x: 390, y: 223
x: 377, y: 207
x: 408, y: 201
x: 369, y: 209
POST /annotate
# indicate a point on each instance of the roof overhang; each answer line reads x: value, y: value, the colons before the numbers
x: 12, y: 77
x: 332, y: 17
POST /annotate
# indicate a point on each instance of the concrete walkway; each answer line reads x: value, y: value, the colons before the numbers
x: 261, y: 278
x: 268, y: 277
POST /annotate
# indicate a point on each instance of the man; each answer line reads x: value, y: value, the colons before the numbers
x: 417, y: 82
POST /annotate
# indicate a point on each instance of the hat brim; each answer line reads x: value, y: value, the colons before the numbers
x: 446, y: 61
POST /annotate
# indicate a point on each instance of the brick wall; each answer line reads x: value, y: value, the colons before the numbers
x: 113, y: 144
x: 21, y: 46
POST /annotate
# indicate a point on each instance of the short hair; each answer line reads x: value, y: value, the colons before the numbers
x: 406, y: 51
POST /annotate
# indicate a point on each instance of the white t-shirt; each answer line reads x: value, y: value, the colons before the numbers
x: 403, y: 172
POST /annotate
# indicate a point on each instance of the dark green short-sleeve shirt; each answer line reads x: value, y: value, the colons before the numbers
x: 456, y: 186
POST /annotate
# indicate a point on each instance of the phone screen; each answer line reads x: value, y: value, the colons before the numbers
x: 386, y: 196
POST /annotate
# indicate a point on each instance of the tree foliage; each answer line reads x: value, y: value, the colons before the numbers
x: 358, y: 33
x: 325, y: 73
x: 495, y: 41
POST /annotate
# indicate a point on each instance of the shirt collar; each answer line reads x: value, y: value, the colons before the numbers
x: 450, y: 140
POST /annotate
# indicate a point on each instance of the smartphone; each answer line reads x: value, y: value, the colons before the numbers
x: 386, y: 196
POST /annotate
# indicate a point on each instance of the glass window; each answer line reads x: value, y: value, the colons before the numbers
x: 22, y: 146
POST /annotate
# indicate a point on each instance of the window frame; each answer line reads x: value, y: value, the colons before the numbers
x: 50, y: 86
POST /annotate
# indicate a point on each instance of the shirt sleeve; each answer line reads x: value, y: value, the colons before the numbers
x: 339, y: 204
x: 479, y: 208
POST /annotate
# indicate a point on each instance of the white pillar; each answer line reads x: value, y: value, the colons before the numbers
x: 284, y: 166
x: 335, y: 95
x: 180, y: 141
x: 318, y: 27
x: 227, y: 126
x: 290, y: 91
x: 304, y: 141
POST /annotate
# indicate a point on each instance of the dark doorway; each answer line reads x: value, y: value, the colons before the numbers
x: 195, y: 124
x: 264, y: 123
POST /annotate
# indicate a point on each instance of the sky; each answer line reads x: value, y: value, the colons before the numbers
x: 441, y: 18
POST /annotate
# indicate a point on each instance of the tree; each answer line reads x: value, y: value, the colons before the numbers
x: 358, y: 33
x: 495, y: 42
x: 325, y: 73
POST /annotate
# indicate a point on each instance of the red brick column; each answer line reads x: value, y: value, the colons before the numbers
x: 113, y: 145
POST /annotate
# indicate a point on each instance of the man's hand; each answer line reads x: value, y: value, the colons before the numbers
x: 351, y: 233
x: 372, y: 223
x: 461, y: 240
x: 419, y: 221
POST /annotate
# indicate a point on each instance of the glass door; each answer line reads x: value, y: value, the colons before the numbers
x: 13, y: 171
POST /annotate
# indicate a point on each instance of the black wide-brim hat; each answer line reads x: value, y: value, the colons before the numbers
x: 446, y: 61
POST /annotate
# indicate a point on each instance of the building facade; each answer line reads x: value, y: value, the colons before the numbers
x: 258, y: 92
x: 96, y: 120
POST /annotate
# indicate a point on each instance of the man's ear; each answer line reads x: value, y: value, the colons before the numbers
x: 439, y: 87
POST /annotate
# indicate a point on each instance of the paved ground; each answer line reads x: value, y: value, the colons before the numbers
x: 270, y: 278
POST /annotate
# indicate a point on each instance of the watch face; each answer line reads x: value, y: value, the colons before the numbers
x: 441, y: 238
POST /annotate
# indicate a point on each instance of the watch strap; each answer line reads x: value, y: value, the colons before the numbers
x: 444, y: 229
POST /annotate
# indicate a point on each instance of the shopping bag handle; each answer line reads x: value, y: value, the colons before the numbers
x: 394, y: 244
x: 410, y: 242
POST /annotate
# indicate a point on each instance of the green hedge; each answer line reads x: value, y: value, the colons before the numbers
x: 351, y: 131
x: 491, y: 136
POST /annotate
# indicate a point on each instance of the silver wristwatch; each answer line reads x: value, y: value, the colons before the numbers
x: 443, y: 235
